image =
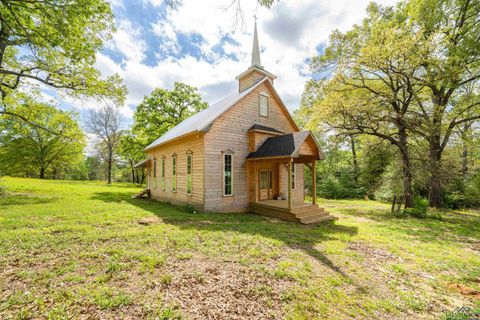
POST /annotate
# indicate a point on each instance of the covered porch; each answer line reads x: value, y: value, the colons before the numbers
x: 276, y: 178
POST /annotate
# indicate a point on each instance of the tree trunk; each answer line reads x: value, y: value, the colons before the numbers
x: 109, y: 173
x: 465, y: 133
x: 435, y: 153
x: 435, y: 182
x: 133, y: 171
x: 407, y: 180
x: 355, y: 160
x: 465, y: 161
x: 406, y: 167
x: 42, y: 173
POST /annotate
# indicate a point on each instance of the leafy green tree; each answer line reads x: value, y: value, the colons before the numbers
x: 54, y: 43
x: 448, y: 31
x: 163, y: 109
x: 131, y: 150
x: 95, y: 168
x: 24, y: 148
x: 371, y: 91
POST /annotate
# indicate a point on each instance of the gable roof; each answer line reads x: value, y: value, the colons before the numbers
x: 287, y: 145
x: 256, y: 68
x: 261, y: 127
x: 202, y: 121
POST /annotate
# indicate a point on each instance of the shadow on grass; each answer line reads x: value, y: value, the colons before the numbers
x: 294, y: 235
x: 17, y: 199
x: 440, y: 226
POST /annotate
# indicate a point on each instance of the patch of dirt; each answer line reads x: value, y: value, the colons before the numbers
x: 476, y: 246
x: 464, y: 290
x: 200, y: 287
x: 208, y: 290
x: 371, y: 252
x: 149, y: 220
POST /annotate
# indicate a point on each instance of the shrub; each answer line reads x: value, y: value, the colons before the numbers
x: 472, y: 191
x: 341, y: 187
x: 420, y: 208
x: 464, y: 194
x: 455, y: 200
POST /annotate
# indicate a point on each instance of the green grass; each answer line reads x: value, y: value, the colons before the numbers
x: 72, y: 249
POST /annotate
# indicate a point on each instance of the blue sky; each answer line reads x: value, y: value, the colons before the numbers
x: 198, y: 43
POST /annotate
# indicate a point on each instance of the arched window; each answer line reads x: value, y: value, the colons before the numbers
x: 174, y: 172
x: 163, y: 173
x: 155, y: 172
x: 227, y: 173
x: 189, y: 181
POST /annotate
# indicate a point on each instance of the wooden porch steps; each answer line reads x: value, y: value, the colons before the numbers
x: 305, y: 214
x: 317, y: 218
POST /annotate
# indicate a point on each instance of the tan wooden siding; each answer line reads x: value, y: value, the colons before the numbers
x: 250, y: 79
x: 308, y: 147
x: 230, y: 132
x: 180, y: 147
x: 256, y: 139
x: 299, y: 192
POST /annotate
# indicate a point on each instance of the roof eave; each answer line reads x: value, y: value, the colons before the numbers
x: 255, y: 67
x: 150, y: 147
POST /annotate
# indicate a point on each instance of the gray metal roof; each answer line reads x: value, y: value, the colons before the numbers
x: 201, y: 122
x: 286, y: 145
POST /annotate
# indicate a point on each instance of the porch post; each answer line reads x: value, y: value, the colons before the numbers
x: 314, y: 182
x: 289, y: 184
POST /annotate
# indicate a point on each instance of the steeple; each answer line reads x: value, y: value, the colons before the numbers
x: 256, y: 49
x: 255, y: 72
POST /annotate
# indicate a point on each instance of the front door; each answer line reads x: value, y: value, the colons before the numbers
x: 265, y: 182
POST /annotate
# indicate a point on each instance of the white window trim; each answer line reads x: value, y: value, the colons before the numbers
x: 223, y: 174
x: 191, y: 174
x: 260, y: 106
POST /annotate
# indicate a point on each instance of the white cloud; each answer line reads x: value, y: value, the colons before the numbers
x: 128, y: 41
x: 289, y: 33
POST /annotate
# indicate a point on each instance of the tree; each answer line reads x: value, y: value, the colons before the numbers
x: 448, y: 30
x: 95, y: 168
x: 24, y: 148
x: 164, y: 109
x: 53, y: 43
x: 371, y: 91
x: 104, y: 123
x: 131, y: 149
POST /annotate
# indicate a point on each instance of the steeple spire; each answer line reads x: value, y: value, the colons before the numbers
x: 255, y: 72
x: 256, y: 49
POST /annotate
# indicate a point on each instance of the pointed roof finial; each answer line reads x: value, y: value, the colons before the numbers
x: 256, y: 48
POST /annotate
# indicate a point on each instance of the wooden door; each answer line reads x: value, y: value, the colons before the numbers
x: 265, y: 184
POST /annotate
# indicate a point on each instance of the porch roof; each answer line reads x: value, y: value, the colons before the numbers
x: 287, y: 145
x: 261, y: 127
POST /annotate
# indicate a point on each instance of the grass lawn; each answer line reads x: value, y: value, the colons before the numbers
x: 77, y: 250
